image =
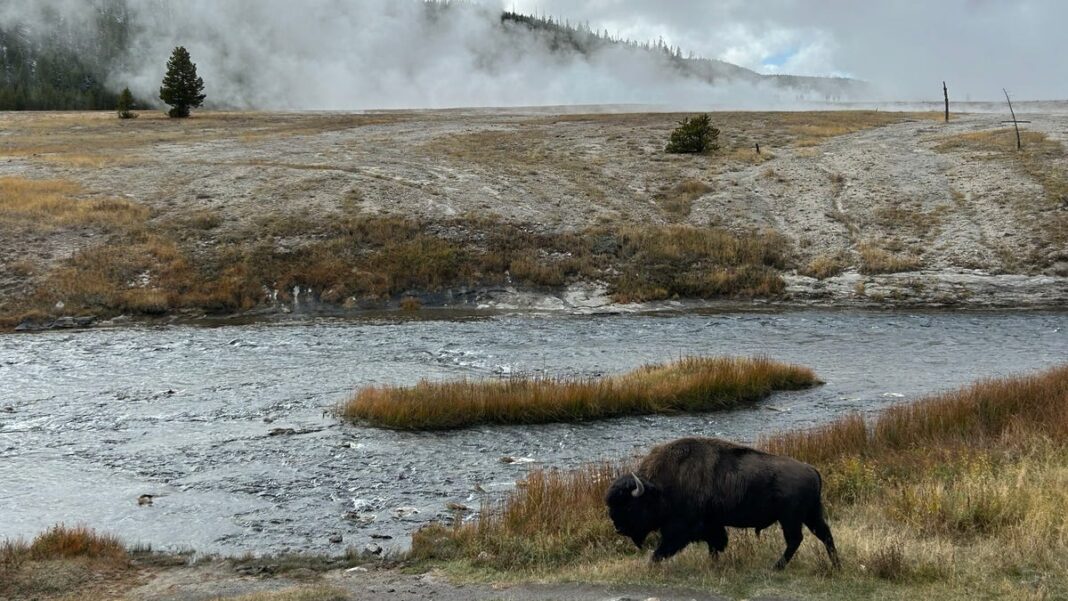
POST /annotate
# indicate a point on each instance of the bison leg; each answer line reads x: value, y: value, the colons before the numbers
x: 791, y: 531
x: 716, y: 537
x: 819, y: 527
x: 673, y: 538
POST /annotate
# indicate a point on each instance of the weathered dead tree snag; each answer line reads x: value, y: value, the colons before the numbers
x: 1015, y: 123
x: 945, y: 91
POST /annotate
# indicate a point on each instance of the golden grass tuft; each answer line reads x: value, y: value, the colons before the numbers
x: 874, y: 260
x: 49, y: 204
x: 678, y: 201
x: 689, y: 384
x: 65, y: 542
x: 826, y: 265
x: 64, y: 562
x: 952, y: 496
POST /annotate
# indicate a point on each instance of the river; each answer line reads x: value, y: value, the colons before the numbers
x: 230, y: 427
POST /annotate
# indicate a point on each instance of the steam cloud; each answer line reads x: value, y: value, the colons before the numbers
x: 359, y: 54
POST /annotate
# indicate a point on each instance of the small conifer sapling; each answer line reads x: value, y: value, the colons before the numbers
x: 694, y: 135
x: 125, y: 105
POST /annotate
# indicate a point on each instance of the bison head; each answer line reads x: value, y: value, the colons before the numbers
x: 633, y: 505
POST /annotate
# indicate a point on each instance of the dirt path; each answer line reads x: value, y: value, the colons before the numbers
x: 213, y: 581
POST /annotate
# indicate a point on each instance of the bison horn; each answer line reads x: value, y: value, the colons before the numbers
x: 640, y: 489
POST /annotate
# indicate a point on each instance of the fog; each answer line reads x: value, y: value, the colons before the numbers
x: 905, y: 47
x: 362, y: 54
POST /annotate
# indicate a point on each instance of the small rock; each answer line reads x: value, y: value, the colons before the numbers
x: 381, y: 536
x: 507, y: 459
x: 336, y: 538
x: 400, y: 513
x: 64, y: 322
x: 457, y: 507
x: 484, y: 556
x: 8, y: 409
x: 281, y: 432
x: 362, y: 518
x: 372, y: 549
x: 145, y: 499
x: 363, y: 504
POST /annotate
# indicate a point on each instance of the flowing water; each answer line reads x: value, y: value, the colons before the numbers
x: 231, y: 427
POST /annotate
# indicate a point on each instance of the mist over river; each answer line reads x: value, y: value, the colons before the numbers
x: 231, y: 427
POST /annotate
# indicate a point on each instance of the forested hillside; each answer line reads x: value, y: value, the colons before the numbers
x: 62, y: 65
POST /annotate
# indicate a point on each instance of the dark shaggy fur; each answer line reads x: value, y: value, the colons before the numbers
x: 695, y: 487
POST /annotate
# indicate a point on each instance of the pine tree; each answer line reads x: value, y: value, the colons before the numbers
x: 181, y: 88
x: 694, y: 135
x: 125, y: 105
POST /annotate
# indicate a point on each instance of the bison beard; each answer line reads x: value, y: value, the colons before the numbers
x: 693, y: 488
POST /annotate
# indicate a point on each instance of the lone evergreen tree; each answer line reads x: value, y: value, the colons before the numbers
x: 125, y: 105
x: 694, y: 135
x: 181, y: 88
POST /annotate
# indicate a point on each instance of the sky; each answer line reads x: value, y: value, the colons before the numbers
x: 906, y: 47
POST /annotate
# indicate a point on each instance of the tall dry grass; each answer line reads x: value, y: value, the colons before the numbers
x: 875, y: 260
x: 958, y: 495
x: 48, y: 204
x: 686, y: 385
x: 982, y: 415
x: 62, y: 562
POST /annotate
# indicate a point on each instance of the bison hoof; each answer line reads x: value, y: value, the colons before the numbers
x: 779, y: 565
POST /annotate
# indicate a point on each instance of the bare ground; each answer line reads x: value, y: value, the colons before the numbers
x: 208, y: 582
x: 847, y: 190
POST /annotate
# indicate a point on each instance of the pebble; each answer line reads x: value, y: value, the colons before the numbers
x: 336, y: 538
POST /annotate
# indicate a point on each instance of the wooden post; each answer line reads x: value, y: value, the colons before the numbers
x: 1015, y: 123
x: 945, y: 91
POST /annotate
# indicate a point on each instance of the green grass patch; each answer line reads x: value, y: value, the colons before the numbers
x: 687, y: 385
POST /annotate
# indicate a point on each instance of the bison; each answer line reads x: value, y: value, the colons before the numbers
x: 693, y: 488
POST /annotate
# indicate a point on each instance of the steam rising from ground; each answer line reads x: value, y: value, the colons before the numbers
x: 355, y: 54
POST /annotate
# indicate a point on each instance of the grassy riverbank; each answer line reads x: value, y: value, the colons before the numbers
x: 689, y: 384
x: 958, y: 495
x: 357, y: 261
